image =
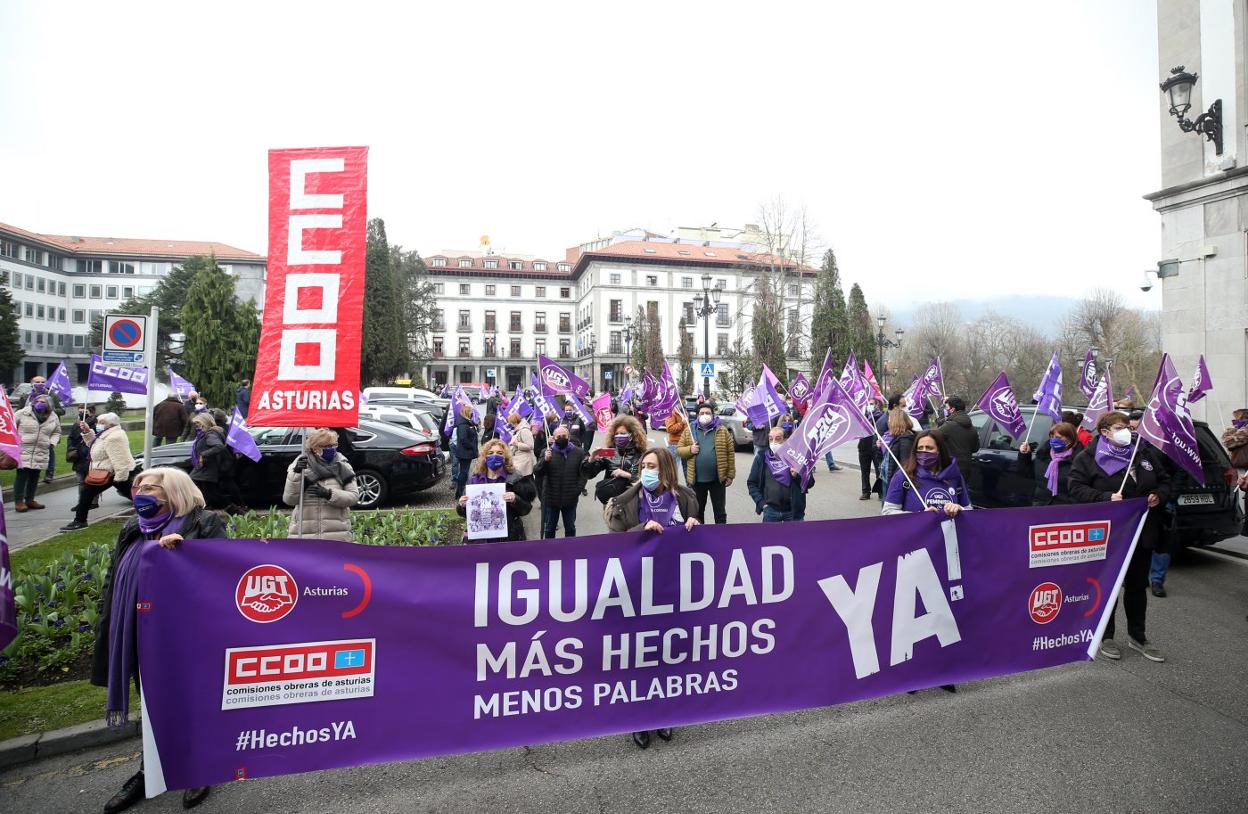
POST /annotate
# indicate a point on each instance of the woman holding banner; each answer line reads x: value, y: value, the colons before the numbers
x: 931, y: 471
x: 1050, y: 467
x: 169, y: 509
x: 321, y: 487
x: 1114, y: 468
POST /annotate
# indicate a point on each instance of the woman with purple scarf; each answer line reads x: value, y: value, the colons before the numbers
x: 1050, y: 466
x: 1111, y: 468
x: 494, y: 465
x: 655, y: 502
x: 168, y: 509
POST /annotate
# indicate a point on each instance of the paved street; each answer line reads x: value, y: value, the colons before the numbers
x: 1102, y: 736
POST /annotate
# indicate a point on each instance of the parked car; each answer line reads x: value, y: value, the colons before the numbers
x: 733, y: 419
x: 1201, y: 514
x: 390, y: 462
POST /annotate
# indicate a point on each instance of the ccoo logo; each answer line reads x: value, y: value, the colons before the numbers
x: 1044, y: 603
x: 266, y: 593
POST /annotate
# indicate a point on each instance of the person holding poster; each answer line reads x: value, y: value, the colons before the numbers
x: 930, y: 467
x: 168, y: 508
x: 321, y: 487
x: 494, y: 466
x: 1116, y: 468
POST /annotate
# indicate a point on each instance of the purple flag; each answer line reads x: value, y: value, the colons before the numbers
x: 915, y: 398
x: 1168, y: 426
x: 1048, y: 395
x: 808, y: 621
x: 626, y: 395
x: 848, y: 371
x: 934, y: 380
x: 239, y: 440
x: 58, y: 384
x: 460, y: 399
x: 856, y: 385
x: 1101, y: 402
x: 539, y: 399
x: 869, y: 375
x: 830, y: 422
x: 766, y: 404
x: 746, y: 400
x: 8, y: 605
x: 999, y: 402
x: 1087, y: 375
x: 665, y: 401
x: 109, y: 378
x: 180, y: 385
x: 1201, y: 383
x: 584, y: 412
x: 825, y: 374
x: 557, y: 379
x: 799, y: 388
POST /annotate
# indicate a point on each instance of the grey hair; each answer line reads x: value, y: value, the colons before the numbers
x: 110, y: 419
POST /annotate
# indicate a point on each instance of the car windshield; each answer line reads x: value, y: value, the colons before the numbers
x: 728, y: 411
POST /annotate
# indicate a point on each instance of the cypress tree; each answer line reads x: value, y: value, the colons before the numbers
x: 829, y: 328
x: 11, y: 353
x: 861, y: 336
x: 221, y: 336
x: 384, y: 353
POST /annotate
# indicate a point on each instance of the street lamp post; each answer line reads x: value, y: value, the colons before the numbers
x: 593, y: 345
x: 628, y: 340
x: 882, y: 340
x: 704, y: 311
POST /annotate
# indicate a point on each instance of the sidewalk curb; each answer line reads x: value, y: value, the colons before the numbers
x: 29, y: 748
x: 58, y: 483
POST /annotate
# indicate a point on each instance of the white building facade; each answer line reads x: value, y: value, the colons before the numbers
x: 61, y: 283
x: 498, y: 313
x: 1204, y: 201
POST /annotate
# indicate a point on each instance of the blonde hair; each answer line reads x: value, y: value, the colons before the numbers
x: 181, y: 492
x: 898, y: 422
x: 480, y: 468
x: 630, y: 425
x: 204, y: 421
x: 320, y: 438
x: 514, y: 419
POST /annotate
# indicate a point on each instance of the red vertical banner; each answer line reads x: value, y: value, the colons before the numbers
x: 308, y: 365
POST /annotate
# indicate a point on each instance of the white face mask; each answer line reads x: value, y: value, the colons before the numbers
x: 704, y: 419
x: 1122, y: 437
x: 775, y: 447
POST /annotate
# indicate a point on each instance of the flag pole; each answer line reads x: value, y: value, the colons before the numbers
x: 1130, y: 466
x: 893, y: 455
x: 1030, y: 424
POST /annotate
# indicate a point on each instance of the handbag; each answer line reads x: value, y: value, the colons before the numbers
x: 98, y: 477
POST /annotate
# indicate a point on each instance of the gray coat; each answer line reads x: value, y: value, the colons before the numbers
x: 323, y: 519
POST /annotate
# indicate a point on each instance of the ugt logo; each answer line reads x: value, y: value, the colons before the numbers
x: 266, y: 593
x: 1045, y: 602
x: 1005, y: 403
x: 556, y: 379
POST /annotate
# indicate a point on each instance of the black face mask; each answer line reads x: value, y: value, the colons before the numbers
x: 561, y: 442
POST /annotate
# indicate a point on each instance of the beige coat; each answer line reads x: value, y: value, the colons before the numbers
x: 522, y: 458
x: 110, y: 452
x: 36, y: 436
x: 323, y: 519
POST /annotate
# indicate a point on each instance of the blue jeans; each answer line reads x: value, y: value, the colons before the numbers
x: 680, y: 463
x: 828, y: 460
x: 1161, y: 564
x: 550, y: 519
x: 771, y: 515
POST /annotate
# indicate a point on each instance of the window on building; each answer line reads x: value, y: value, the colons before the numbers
x: 439, y: 348
x: 489, y: 291
x: 539, y: 266
x: 539, y: 322
x: 79, y: 315
x: 32, y: 255
x: 721, y: 283
x: 689, y: 316
x: 793, y: 287
x: 652, y: 280
x: 41, y: 285
x: 465, y: 320
x: 55, y: 261
x: 90, y: 266
x: 793, y: 324
x: 565, y: 293
x: 684, y: 252
x: 539, y: 291
x: 540, y: 346
x: 686, y: 282
x: 616, y: 343
x: 80, y: 291
x: 439, y: 288
x: 97, y: 291
x: 721, y: 316
x: 488, y: 345
x: 516, y: 325
x: 721, y: 345
x: 464, y: 348
x: 39, y: 337
x: 94, y: 314
x: 616, y: 311
x: 17, y: 279
x: 565, y: 348
x: 60, y: 315
x: 465, y: 289
x: 565, y: 322
x: 39, y: 312
x: 80, y: 341
x: 439, y: 320
x: 30, y: 308
x: 614, y: 278
x: 515, y: 291
x: 489, y: 321
x: 465, y: 263
x: 439, y: 262
x: 60, y: 289
x: 515, y: 348
x: 8, y: 249
x: 121, y: 267
x: 491, y: 264
x: 28, y: 337
x: 110, y: 292
x: 30, y: 282
x: 127, y: 292
x: 565, y: 267
x: 515, y: 265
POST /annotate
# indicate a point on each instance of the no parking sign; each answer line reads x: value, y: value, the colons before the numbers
x: 125, y: 338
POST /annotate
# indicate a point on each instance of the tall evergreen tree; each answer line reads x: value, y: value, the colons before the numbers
x: 11, y: 353
x: 654, y: 345
x: 419, y: 305
x: 221, y: 336
x: 384, y: 353
x: 829, y: 327
x: 861, y: 336
x: 767, y: 326
x: 639, y: 340
x: 685, y: 351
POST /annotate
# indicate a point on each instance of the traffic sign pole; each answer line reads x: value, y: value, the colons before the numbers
x: 153, y: 326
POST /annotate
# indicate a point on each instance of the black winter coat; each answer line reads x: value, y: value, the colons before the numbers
x: 962, y: 437
x: 562, y: 476
x: 1035, y: 466
x: 201, y: 524
x: 75, y: 442
x: 467, y: 439
x: 610, y: 486
x: 215, y: 458
x: 518, y: 508
x: 1089, y: 483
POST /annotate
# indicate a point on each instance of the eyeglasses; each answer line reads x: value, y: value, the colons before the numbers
x: 145, y: 488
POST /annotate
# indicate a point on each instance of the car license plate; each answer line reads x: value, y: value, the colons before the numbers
x: 1196, y: 500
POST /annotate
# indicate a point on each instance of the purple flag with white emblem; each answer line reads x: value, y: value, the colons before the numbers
x: 558, y: 380
x: 1201, y: 383
x: 539, y: 400
x: 767, y: 403
x: 626, y: 395
x: 180, y: 385
x: 8, y: 604
x: 58, y: 384
x: 999, y: 402
x: 1048, y: 395
x: 1087, y: 375
x: 665, y: 400
x: 746, y: 400
x: 831, y: 421
x: 584, y: 412
x: 799, y: 388
x: 107, y: 378
x: 825, y: 374
x: 239, y: 439
x: 847, y: 372
x: 1168, y: 426
x: 1101, y: 402
x: 915, y: 398
x: 934, y: 380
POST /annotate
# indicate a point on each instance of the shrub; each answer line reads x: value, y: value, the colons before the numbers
x: 389, y: 528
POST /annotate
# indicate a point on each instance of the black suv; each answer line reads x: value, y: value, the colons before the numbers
x: 1201, y: 514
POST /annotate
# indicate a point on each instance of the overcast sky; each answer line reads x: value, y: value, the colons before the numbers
x: 944, y: 150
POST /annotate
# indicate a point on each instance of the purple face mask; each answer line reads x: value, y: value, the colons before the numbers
x: 927, y: 459
x: 1239, y: 423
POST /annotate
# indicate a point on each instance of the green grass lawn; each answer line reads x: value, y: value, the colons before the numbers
x: 33, y: 558
x: 63, y: 467
x: 43, y: 709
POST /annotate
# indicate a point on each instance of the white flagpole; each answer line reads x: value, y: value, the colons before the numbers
x: 1130, y: 465
x: 1030, y: 424
x: 893, y: 455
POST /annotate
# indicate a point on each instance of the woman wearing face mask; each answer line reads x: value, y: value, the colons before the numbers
x: 109, y: 463
x: 932, y: 470
x: 208, y: 459
x: 1050, y: 466
x: 329, y: 490
x: 168, y: 509
x: 1235, y: 439
x: 495, y: 466
x: 897, y: 441
x: 38, y: 430
x: 655, y: 503
x: 1102, y: 472
x: 621, y: 461
x: 778, y: 492
x: 466, y: 446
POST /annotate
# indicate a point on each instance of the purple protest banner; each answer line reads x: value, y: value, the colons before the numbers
x: 767, y: 395
x: 830, y: 422
x: 8, y: 602
x: 825, y: 374
x: 626, y: 395
x: 915, y: 398
x: 584, y: 412
x: 183, y: 387
x: 999, y: 402
x: 747, y: 399
x: 1087, y: 375
x: 109, y: 378
x: 1101, y: 402
x: 1167, y: 425
x: 544, y: 407
x: 59, y: 385
x: 1048, y: 395
x: 239, y: 439
x: 325, y: 654
x: 558, y: 380
x: 1201, y: 383
x: 934, y: 380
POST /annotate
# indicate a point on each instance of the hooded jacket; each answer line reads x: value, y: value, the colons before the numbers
x: 935, y: 490
x: 962, y: 437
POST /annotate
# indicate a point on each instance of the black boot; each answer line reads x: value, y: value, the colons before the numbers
x: 642, y: 739
x: 949, y: 687
x: 131, y: 792
x: 193, y: 797
x: 664, y: 734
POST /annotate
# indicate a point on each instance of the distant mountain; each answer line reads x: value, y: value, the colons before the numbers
x: 1030, y: 309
